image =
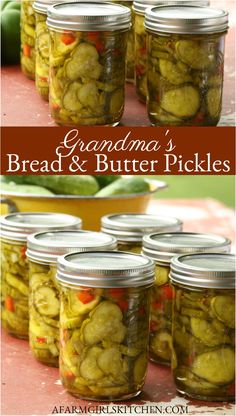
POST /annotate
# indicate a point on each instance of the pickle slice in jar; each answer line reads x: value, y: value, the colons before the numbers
x: 70, y: 99
x: 140, y: 368
x: 17, y: 284
x: 216, y: 366
x: 89, y: 368
x: 223, y: 307
x: 46, y: 301
x: 195, y: 54
x: 64, y: 43
x: 84, y: 62
x: 105, y: 323
x: 207, y: 333
x: 213, y: 99
x: 110, y: 362
x: 173, y: 73
x: 82, y: 302
x: 161, y: 345
x: 181, y: 102
x: 161, y: 275
x: 185, y: 376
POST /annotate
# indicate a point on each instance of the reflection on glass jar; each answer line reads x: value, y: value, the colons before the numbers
x: 203, y: 360
x: 14, y: 264
x: 185, y: 66
x: 162, y: 248
x: 43, y: 251
x: 28, y: 39
x: 104, y: 324
x: 87, y: 63
x: 129, y: 228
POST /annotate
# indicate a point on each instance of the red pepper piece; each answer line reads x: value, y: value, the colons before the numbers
x: 199, y: 118
x: 166, y: 292
x: 231, y: 389
x: 142, y: 311
x: 68, y: 374
x: 45, y: 79
x: 143, y: 50
x: 9, y: 304
x: 56, y: 107
x: 123, y: 304
x: 85, y: 296
x: 116, y: 293
x: 67, y: 38
x: 41, y: 340
x: 157, y: 306
x: 94, y: 37
x: 26, y: 50
x: 23, y: 251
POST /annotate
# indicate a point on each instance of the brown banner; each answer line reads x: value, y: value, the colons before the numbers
x: 120, y: 150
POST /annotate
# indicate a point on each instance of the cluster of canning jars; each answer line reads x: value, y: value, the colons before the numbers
x: 81, y: 67
x: 92, y: 308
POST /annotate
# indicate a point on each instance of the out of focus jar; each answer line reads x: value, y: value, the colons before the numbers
x: 27, y: 38
x: 42, y: 48
x: 43, y: 250
x: 104, y: 323
x: 129, y: 229
x: 185, y: 66
x: 204, y: 325
x: 162, y: 248
x: 130, y: 43
x: 15, y: 274
x: 87, y: 62
x: 140, y: 7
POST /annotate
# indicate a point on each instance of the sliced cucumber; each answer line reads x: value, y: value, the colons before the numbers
x: 46, y: 301
x: 78, y: 307
x: 17, y: 284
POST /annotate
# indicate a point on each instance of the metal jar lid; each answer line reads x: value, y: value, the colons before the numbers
x: 18, y: 226
x: 132, y: 227
x: 204, y: 270
x: 48, y: 246
x: 105, y: 269
x: 186, y: 20
x: 163, y: 247
x: 41, y: 6
x: 85, y: 16
x: 140, y: 6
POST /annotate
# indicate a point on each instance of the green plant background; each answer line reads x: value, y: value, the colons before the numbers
x: 221, y: 187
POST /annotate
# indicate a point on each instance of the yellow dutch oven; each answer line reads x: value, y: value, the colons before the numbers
x: 89, y: 208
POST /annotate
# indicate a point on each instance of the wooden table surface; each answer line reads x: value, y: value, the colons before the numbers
x: 31, y: 388
x: 22, y: 106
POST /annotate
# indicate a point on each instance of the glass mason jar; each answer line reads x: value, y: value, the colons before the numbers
x: 140, y: 7
x: 185, y: 65
x: 87, y: 62
x: 43, y: 249
x: 27, y: 38
x: 42, y: 48
x: 129, y: 229
x: 162, y: 248
x: 15, y: 275
x: 104, y: 323
x: 203, y: 361
x: 130, y: 43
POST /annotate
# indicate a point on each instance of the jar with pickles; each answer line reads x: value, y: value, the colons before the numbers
x: 27, y: 38
x: 185, y: 65
x: 162, y: 248
x: 43, y: 249
x: 130, y: 44
x: 140, y: 7
x: 129, y: 228
x: 14, y: 264
x: 203, y: 361
x: 42, y: 47
x: 88, y: 44
x: 104, y: 323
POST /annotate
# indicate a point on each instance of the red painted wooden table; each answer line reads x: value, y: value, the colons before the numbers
x: 21, y: 105
x: 30, y: 388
